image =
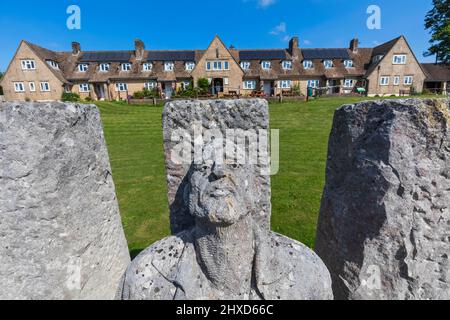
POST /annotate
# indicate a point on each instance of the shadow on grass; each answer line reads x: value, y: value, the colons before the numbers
x: 135, y: 252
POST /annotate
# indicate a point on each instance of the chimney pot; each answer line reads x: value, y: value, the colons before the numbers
x: 354, y: 45
x: 76, y: 48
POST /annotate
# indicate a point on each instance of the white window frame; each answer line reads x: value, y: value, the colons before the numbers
x: 384, y: 83
x: 313, y: 83
x: 148, y: 66
x: 150, y: 85
x: 245, y: 65
x: 266, y: 65
x: 169, y: 66
x: 126, y: 67
x: 19, y: 87
x: 226, y: 65
x: 208, y: 65
x: 84, y: 87
x: 308, y: 64
x: 249, y: 85
x: 348, y: 63
x: 285, y: 84
x: 104, y: 67
x: 44, y: 86
x: 32, y: 86
x: 287, y: 65
x: 28, y: 64
x: 121, y: 87
x: 226, y: 81
x: 53, y: 64
x: 83, y: 67
x: 349, y: 83
x: 217, y: 66
x: 396, y: 81
x: 399, y: 59
x: 190, y: 65
x: 328, y: 64
x: 408, y: 83
x: 377, y: 58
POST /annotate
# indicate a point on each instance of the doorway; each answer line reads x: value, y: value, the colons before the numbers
x: 268, y: 86
x: 100, y: 91
x: 217, y: 86
x: 167, y: 89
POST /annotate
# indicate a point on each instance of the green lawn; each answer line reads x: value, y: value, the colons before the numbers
x: 135, y: 144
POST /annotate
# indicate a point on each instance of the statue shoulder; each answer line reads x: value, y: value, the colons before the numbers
x: 150, y: 275
x: 300, y: 270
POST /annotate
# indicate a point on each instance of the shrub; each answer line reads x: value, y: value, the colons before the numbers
x: 203, y: 85
x: 88, y: 99
x: 146, y: 94
x: 70, y: 97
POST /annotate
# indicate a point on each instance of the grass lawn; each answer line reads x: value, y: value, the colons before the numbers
x: 135, y: 143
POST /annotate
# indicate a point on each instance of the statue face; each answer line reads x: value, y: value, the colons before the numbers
x: 220, y: 193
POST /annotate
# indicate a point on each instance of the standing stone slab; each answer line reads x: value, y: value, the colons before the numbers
x: 61, y: 235
x: 384, y: 229
x: 222, y: 115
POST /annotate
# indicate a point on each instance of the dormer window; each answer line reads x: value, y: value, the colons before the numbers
x: 266, y: 65
x: 377, y: 58
x: 126, y: 67
x: 104, y: 67
x: 328, y: 64
x: 190, y: 66
x: 168, y: 66
x: 245, y: 65
x: 147, y: 66
x: 308, y: 64
x: 53, y: 64
x: 83, y: 67
x: 399, y: 59
x: 28, y: 65
x: 287, y: 65
x: 348, y: 63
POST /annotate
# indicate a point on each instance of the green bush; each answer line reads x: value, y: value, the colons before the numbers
x: 146, y: 94
x: 203, y: 85
x: 70, y: 97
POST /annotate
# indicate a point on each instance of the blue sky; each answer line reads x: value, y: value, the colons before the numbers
x: 192, y: 24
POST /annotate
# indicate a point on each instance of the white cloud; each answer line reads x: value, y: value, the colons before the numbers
x: 279, y: 29
x: 265, y: 3
x: 306, y: 42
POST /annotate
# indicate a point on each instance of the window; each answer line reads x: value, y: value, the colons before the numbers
x: 287, y: 65
x: 396, y: 80
x: 32, y: 87
x: 245, y: 65
x: 308, y: 64
x: 226, y: 81
x: 84, y: 87
x: 217, y: 65
x: 53, y: 64
x: 285, y: 84
x: 408, y: 80
x: 168, y: 66
x: 45, y: 87
x: 313, y: 83
x: 399, y: 59
x: 190, y: 66
x: 348, y: 63
x: 28, y: 65
x: 83, y: 67
x: 126, y: 67
x: 150, y: 85
x: 348, y: 83
x: 266, y: 65
x: 147, y: 66
x: 377, y: 58
x: 250, y: 85
x: 208, y: 65
x: 19, y: 87
x: 226, y: 65
x: 384, y: 81
x: 328, y: 64
x: 104, y: 67
x: 121, y: 87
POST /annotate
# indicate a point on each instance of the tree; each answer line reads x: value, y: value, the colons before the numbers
x: 438, y: 22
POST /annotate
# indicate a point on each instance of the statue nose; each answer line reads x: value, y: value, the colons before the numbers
x: 218, y: 171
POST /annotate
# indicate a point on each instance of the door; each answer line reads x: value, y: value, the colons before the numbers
x: 168, y: 90
x: 217, y: 85
x: 268, y: 88
x: 100, y: 91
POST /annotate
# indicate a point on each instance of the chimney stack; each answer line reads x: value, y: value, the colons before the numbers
x: 293, y: 46
x: 76, y: 48
x: 139, y: 49
x: 354, y: 45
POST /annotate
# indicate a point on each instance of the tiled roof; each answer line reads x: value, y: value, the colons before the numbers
x: 171, y: 56
x: 436, y: 72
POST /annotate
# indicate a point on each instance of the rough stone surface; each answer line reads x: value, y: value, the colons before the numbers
x: 246, y: 114
x: 384, y: 229
x: 61, y: 235
x: 227, y: 252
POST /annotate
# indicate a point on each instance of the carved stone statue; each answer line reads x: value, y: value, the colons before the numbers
x: 227, y: 254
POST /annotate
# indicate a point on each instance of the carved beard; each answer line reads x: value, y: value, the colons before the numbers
x: 220, y: 204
